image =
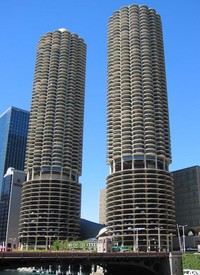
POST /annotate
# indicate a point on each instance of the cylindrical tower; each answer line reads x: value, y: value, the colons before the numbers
x: 140, y: 196
x: 51, y: 195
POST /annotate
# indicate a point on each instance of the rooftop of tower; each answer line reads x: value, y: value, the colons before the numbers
x: 139, y: 6
x: 62, y: 30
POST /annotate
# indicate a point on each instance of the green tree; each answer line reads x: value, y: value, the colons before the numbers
x: 56, y: 245
x: 65, y: 245
x: 191, y: 261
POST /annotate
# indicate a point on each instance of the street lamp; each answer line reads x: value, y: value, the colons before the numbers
x: 48, y: 242
x: 159, y: 242
x: 136, y: 246
x: 183, y: 236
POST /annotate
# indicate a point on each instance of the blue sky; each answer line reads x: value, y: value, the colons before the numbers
x: 24, y: 21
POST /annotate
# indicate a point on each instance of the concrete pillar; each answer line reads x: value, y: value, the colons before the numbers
x: 175, y: 264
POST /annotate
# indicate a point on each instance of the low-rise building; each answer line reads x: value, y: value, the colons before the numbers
x: 10, y: 207
x: 104, y: 241
x: 187, y: 206
x: 187, y: 198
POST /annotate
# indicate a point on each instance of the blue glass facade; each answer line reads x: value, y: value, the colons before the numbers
x: 13, y: 136
x: 4, y: 206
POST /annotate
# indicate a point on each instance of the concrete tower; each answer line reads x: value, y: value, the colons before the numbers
x: 51, y: 196
x: 140, y: 196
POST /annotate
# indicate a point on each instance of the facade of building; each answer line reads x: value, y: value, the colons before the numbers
x: 10, y: 207
x: 140, y: 208
x: 13, y: 136
x: 51, y: 196
x: 187, y: 199
x: 102, y: 206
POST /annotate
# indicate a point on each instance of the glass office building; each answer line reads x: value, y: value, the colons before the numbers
x: 13, y: 136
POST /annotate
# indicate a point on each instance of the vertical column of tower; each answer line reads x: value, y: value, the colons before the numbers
x: 110, y: 94
x: 157, y: 60
x: 164, y: 91
x: 70, y: 101
x: 126, y: 130
x: 114, y: 122
x: 147, y: 83
x: 136, y: 81
x: 41, y: 103
x: 35, y: 98
x: 51, y: 77
x: 79, y: 109
x: 59, y: 103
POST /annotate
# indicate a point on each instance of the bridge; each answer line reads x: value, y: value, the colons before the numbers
x: 151, y: 263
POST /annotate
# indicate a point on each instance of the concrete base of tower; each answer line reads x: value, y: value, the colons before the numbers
x: 50, y: 210
x: 140, y: 209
